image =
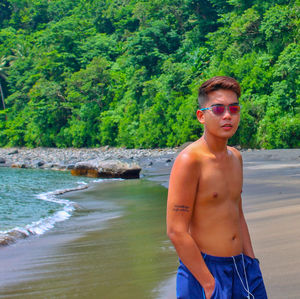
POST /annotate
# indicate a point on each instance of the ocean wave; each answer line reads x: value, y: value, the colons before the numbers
x: 44, y: 224
x: 105, y: 180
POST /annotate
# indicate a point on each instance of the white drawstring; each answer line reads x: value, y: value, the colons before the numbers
x: 247, y: 290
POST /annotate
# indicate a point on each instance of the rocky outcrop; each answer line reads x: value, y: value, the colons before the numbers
x: 11, y: 237
x: 107, y: 169
x: 60, y: 158
x: 128, y: 162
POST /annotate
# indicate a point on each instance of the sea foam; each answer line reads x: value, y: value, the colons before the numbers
x: 44, y: 224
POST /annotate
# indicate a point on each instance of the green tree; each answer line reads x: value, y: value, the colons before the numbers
x: 126, y: 72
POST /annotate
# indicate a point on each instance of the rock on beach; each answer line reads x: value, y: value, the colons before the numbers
x: 107, y: 169
x: 11, y: 237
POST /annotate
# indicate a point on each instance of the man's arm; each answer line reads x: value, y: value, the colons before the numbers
x: 181, y: 196
x: 247, y: 245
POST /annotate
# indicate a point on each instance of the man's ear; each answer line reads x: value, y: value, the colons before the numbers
x: 200, y: 116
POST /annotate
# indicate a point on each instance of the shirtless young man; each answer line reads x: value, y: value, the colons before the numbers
x: 205, y: 220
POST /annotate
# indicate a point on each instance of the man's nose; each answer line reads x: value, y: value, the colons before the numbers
x: 226, y: 114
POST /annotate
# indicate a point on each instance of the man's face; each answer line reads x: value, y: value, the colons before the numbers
x: 226, y: 124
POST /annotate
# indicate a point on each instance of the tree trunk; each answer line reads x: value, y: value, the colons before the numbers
x: 2, y: 98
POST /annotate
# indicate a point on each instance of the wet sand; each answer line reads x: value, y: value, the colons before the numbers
x: 125, y: 252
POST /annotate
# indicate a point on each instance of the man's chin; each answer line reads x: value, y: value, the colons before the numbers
x: 227, y: 135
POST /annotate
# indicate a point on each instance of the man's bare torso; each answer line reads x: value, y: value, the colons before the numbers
x: 215, y: 223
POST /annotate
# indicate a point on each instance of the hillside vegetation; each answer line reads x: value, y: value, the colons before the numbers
x: 80, y: 73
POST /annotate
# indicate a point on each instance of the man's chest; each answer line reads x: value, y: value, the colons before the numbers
x: 220, y: 180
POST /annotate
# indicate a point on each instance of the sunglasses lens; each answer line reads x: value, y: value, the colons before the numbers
x: 218, y: 110
x: 234, y: 109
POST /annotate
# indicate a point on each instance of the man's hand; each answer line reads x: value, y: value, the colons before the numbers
x: 209, y: 289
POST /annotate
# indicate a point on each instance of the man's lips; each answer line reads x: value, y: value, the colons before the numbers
x: 227, y: 127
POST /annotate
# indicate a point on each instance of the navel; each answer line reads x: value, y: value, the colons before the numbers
x: 215, y: 195
x: 234, y: 237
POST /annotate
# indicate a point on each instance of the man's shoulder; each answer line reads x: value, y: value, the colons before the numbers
x: 192, y: 154
x: 188, y: 162
x: 235, y: 152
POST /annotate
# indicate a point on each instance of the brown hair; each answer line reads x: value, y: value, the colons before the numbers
x: 215, y: 83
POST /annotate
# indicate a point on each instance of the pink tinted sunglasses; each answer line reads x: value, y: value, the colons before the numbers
x: 219, y: 109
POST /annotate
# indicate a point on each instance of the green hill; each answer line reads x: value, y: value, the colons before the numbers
x: 126, y: 73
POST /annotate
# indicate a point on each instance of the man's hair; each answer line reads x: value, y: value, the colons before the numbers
x: 215, y: 83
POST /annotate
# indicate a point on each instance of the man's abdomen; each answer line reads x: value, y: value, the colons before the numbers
x: 217, y: 234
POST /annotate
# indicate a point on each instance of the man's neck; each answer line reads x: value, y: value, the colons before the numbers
x: 217, y: 146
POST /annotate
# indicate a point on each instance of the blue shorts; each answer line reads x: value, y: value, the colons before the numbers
x: 230, y: 280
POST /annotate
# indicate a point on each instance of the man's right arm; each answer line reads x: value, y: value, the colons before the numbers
x: 181, y: 196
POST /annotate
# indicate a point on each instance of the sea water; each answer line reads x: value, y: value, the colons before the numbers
x: 111, y: 244
x: 29, y: 201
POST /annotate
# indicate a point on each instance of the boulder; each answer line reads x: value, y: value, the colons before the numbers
x: 2, y: 161
x: 17, y: 234
x: 107, y: 169
x: 11, y: 237
x: 38, y: 163
x: 6, y: 240
x: 13, y: 152
x: 70, y: 166
x: 18, y: 165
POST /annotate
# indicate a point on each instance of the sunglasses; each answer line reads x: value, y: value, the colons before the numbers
x: 219, y: 109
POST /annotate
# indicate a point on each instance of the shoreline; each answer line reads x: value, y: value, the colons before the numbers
x: 10, y: 236
x: 149, y: 160
x: 114, y: 245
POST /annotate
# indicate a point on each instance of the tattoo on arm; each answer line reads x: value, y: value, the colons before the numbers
x: 181, y: 208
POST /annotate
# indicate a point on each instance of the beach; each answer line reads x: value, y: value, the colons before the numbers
x: 125, y: 253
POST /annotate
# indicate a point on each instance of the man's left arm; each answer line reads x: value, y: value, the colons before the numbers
x: 246, y: 240
x: 247, y: 245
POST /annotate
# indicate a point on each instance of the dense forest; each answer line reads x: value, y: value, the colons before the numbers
x: 78, y: 73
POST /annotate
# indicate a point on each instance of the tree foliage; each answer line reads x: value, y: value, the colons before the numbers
x: 126, y: 73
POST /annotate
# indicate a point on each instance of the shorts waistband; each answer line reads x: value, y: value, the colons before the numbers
x: 223, y: 259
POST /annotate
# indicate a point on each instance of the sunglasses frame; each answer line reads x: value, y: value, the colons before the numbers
x: 226, y: 107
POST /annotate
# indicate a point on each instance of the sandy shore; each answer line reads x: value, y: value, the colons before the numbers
x: 272, y: 205
x: 271, y: 200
